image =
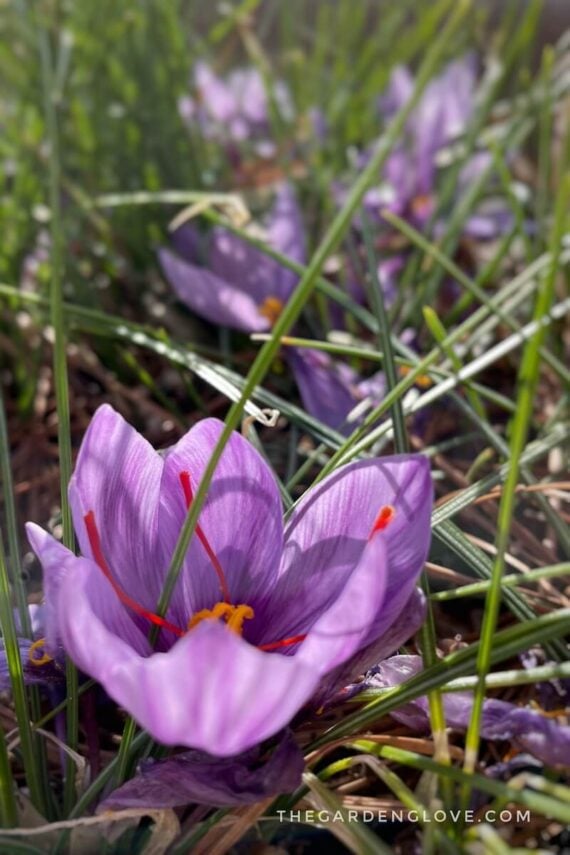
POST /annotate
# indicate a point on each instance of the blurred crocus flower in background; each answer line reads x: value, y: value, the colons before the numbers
x: 264, y: 618
x: 235, y: 109
x: 410, y: 176
x: 528, y: 729
x: 241, y: 287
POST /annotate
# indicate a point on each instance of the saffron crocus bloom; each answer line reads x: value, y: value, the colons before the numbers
x: 409, y: 179
x: 242, y: 287
x: 261, y: 617
x: 528, y: 729
x: 234, y: 109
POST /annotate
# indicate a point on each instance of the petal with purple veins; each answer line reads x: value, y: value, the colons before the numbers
x: 241, y: 518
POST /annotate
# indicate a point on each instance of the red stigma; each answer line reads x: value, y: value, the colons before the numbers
x: 188, y: 497
x: 285, y: 642
x: 385, y: 516
x: 99, y: 558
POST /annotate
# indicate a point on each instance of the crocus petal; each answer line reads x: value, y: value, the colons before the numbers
x: 340, y: 630
x: 212, y: 690
x: 188, y: 242
x: 338, y: 684
x: 398, y: 92
x: 528, y: 729
x: 117, y: 476
x: 252, y: 271
x: 327, y: 389
x: 53, y: 557
x: 330, y: 527
x: 60, y: 564
x: 220, y: 782
x: 249, y: 90
x: 210, y: 296
x: 242, y: 518
x: 218, y: 98
x: 287, y: 236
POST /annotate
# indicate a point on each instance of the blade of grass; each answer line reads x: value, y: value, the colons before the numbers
x: 32, y: 764
x: 8, y: 808
x: 427, y: 632
x: 60, y: 376
x: 510, y: 581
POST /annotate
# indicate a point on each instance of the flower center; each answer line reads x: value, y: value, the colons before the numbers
x: 234, y: 616
x: 422, y: 205
x: 271, y: 308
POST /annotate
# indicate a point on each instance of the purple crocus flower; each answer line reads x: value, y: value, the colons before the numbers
x: 528, y: 729
x: 331, y: 390
x: 242, y: 287
x: 442, y: 115
x: 38, y: 667
x: 245, y: 289
x: 262, y: 617
x: 192, y: 776
x: 234, y: 109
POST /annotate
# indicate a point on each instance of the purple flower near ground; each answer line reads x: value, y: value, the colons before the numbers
x: 38, y: 668
x: 241, y: 287
x: 234, y: 109
x: 245, y: 289
x: 192, y: 776
x: 262, y: 617
x: 528, y: 729
x: 441, y: 117
x: 331, y: 390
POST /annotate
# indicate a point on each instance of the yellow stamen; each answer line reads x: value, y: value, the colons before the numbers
x: 271, y: 308
x: 241, y: 613
x: 39, y: 660
x: 234, y: 616
x: 422, y: 380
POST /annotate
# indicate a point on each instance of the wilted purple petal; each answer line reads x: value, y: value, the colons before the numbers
x: 195, y: 777
x: 529, y: 729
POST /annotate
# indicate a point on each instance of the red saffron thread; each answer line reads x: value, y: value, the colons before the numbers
x: 285, y: 642
x: 95, y: 542
x: 188, y: 496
